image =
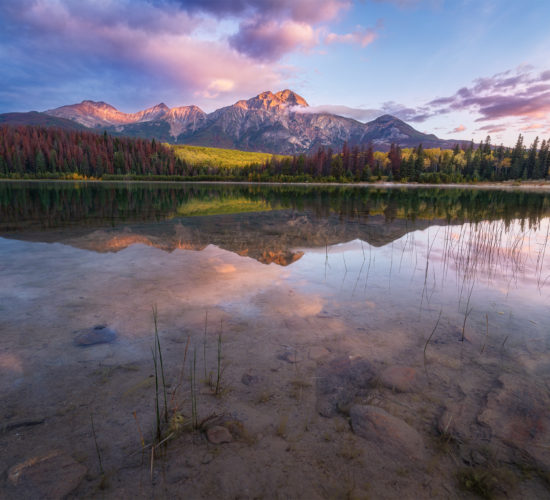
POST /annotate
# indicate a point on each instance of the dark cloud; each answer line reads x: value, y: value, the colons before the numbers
x: 310, y: 11
x: 270, y: 40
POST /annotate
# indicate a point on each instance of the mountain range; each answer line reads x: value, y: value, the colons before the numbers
x: 279, y: 123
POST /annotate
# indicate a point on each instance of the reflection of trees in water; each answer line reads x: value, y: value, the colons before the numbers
x: 60, y: 204
x: 491, y: 252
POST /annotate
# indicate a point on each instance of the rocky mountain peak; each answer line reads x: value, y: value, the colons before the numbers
x: 269, y: 122
x: 273, y: 102
x: 385, y: 119
x: 290, y: 98
x: 95, y: 104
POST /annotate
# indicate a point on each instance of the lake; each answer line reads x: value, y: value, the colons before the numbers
x: 315, y: 342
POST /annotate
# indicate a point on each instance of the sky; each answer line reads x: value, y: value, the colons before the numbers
x: 462, y: 69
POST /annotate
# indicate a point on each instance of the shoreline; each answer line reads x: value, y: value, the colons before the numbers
x: 507, y: 185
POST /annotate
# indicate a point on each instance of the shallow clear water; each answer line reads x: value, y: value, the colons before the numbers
x: 450, y: 286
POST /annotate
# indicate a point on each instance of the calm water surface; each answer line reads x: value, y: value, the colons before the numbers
x: 443, y: 293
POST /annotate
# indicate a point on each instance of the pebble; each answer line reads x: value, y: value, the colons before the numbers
x: 98, y: 334
x: 291, y: 356
x: 53, y: 475
x: 399, y: 378
x: 219, y: 435
x: 339, y: 382
x: 388, y: 432
x: 316, y: 353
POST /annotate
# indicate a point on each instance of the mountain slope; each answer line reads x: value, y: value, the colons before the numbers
x: 39, y: 119
x: 277, y: 123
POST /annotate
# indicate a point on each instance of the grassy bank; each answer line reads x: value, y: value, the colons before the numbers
x: 218, y: 157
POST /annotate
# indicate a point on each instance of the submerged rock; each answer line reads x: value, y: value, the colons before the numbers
x: 400, y: 378
x: 219, y: 435
x: 517, y: 412
x: 378, y: 426
x: 291, y: 356
x: 339, y: 382
x: 250, y: 377
x: 98, y: 334
x: 54, y: 475
x: 317, y: 352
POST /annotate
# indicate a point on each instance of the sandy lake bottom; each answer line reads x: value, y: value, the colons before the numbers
x: 330, y: 358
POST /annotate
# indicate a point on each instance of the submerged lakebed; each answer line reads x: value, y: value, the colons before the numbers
x: 344, y: 342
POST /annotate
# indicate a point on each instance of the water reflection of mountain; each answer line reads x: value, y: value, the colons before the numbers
x: 266, y: 223
x: 266, y: 236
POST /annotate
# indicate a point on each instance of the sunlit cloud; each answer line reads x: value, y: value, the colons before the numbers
x: 520, y: 95
x: 181, y: 49
x: 492, y: 129
x: 361, y: 36
x: 533, y: 126
x: 153, y: 48
x: 460, y: 128
x: 270, y: 40
x: 503, y: 95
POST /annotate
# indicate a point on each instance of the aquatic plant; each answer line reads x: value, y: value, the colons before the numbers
x: 159, y: 368
x: 219, y: 364
x: 193, y: 381
x: 98, y: 451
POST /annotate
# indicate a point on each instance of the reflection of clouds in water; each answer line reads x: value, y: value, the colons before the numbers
x: 491, y: 250
x: 288, y: 302
x: 225, y: 268
x: 10, y: 364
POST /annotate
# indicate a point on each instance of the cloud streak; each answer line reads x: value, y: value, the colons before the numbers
x: 521, y: 98
x: 360, y: 36
x: 504, y: 95
x: 359, y: 114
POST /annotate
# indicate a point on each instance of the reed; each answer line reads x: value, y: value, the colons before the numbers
x: 219, y: 364
x: 98, y: 451
x: 204, y: 344
x: 158, y: 351
x: 193, y: 381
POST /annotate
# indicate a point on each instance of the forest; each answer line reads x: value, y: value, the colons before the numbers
x: 51, y: 153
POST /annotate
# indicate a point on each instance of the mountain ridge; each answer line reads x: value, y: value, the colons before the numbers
x: 269, y: 122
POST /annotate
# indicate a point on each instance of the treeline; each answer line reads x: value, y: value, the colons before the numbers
x: 473, y: 163
x: 53, y: 153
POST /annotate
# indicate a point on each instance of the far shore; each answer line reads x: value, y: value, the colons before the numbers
x: 508, y: 185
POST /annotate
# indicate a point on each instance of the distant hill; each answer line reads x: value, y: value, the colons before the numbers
x: 275, y: 123
x: 43, y: 119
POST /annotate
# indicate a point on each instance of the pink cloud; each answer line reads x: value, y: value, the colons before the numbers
x: 199, y: 67
x: 460, y: 128
x: 500, y: 96
x: 361, y: 36
x: 492, y: 129
x: 533, y: 126
x: 270, y: 40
